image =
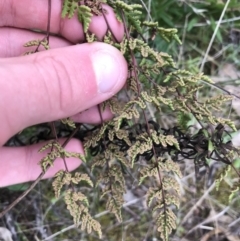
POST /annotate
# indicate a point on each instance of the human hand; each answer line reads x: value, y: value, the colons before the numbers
x: 53, y: 84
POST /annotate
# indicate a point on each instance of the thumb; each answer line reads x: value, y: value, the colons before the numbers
x: 57, y: 83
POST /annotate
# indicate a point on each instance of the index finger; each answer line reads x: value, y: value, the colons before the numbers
x: 30, y: 14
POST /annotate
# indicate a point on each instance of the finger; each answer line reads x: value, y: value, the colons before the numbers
x: 12, y: 41
x: 21, y: 164
x: 93, y: 116
x: 56, y: 84
x: 34, y: 15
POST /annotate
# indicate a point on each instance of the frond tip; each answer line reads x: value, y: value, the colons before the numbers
x: 77, y: 204
x: 84, y: 16
x: 69, y: 8
x: 166, y: 222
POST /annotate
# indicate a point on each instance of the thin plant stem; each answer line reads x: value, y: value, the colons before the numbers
x: 214, y: 35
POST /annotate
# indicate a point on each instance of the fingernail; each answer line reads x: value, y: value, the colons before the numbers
x: 107, y: 70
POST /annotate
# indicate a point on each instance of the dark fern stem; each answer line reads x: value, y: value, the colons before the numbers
x: 192, y: 146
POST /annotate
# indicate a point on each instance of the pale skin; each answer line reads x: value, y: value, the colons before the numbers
x: 68, y: 80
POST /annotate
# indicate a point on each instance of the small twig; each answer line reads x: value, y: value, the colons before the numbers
x: 14, y: 203
x: 11, y: 225
x: 210, y: 219
x: 48, y: 26
x: 214, y: 35
x: 132, y: 55
x: 198, y: 203
x: 25, y: 193
x: 49, y: 19
x: 38, y: 217
x: 108, y: 26
x: 96, y: 216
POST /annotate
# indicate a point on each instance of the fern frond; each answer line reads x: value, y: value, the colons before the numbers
x: 84, y: 16
x: 58, y: 183
x: 217, y: 101
x: 169, y: 166
x: 81, y: 177
x: 124, y: 6
x: 94, y: 139
x: 222, y: 175
x: 234, y: 189
x: 168, y: 140
x: 172, y: 199
x: 121, y: 157
x: 153, y: 193
x: 114, y: 206
x: 150, y: 24
x: 69, y: 122
x: 49, y: 160
x: 141, y: 146
x: 183, y: 119
x: 224, y: 121
x: 90, y: 37
x: 108, y: 39
x: 99, y: 161
x: 157, y: 100
x: 37, y: 43
x: 148, y: 171
x: 123, y: 45
x: 91, y: 224
x: 77, y: 204
x: 169, y: 182
x: 114, y: 183
x: 69, y: 8
x: 169, y: 34
x: 127, y: 114
x: 166, y: 222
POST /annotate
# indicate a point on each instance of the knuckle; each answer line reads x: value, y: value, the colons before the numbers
x: 61, y: 76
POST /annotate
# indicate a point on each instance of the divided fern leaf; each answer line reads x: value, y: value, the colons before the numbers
x: 84, y: 16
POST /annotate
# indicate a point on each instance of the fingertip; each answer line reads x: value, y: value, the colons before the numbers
x: 72, y: 163
x: 110, y: 68
x: 107, y: 22
x: 21, y: 164
x: 92, y: 116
